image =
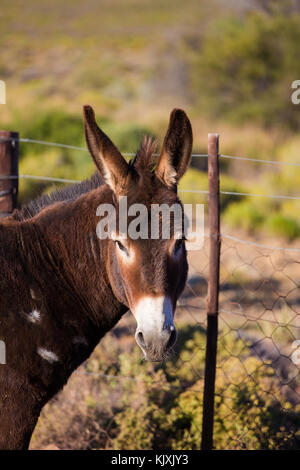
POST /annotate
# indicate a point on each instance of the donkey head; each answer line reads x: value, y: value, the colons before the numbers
x: 147, y: 274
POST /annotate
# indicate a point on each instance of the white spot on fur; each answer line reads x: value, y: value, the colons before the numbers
x: 34, y: 316
x: 2, y: 352
x: 47, y: 355
x: 32, y: 293
x: 154, y: 313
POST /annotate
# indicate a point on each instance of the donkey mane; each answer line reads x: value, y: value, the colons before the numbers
x: 142, y: 162
x: 69, y: 193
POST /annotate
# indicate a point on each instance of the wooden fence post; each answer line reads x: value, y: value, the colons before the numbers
x: 9, y: 160
x: 213, y: 292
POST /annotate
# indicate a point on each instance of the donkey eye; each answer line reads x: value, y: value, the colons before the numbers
x: 122, y: 247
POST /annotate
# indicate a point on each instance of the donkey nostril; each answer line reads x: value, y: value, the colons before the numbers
x: 172, y: 339
x: 140, y: 339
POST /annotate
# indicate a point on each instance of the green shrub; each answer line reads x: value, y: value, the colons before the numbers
x: 244, y: 215
x: 53, y: 125
x: 59, y: 126
x: 283, y: 226
x: 126, y: 136
x: 246, y: 66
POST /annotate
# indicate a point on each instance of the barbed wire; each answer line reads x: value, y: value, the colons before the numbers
x: 72, y: 147
x: 41, y: 178
x: 260, y: 245
x: 196, y: 191
x: 192, y: 191
x: 258, y: 160
x: 232, y: 193
x: 131, y: 154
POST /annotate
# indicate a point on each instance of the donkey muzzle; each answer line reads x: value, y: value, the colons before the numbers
x: 156, y: 332
x: 156, y: 347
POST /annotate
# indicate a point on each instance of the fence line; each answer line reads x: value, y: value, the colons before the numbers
x: 260, y: 245
x: 192, y: 191
x: 74, y: 147
x: 241, y: 314
x: 132, y: 154
x: 232, y: 193
x: 42, y: 178
x: 258, y: 160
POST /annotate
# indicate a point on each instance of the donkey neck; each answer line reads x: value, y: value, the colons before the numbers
x: 72, y: 260
x: 56, y: 301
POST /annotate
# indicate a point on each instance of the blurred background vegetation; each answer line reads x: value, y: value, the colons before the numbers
x: 230, y: 65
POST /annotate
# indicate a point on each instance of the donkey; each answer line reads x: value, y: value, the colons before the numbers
x: 62, y: 288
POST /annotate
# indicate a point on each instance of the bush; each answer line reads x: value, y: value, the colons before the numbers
x: 53, y: 125
x: 246, y: 66
x: 127, y: 137
x: 283, y: 226
x: 244, y: 215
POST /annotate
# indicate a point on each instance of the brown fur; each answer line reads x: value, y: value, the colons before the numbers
x: 52, y: 262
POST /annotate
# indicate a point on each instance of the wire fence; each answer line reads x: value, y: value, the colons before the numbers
x: 131, y: 154
x: 259, y: 305
x: 257, y: 385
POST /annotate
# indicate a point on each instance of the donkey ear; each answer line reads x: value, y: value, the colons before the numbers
x: 176, y: 152
x: 107, y: 158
